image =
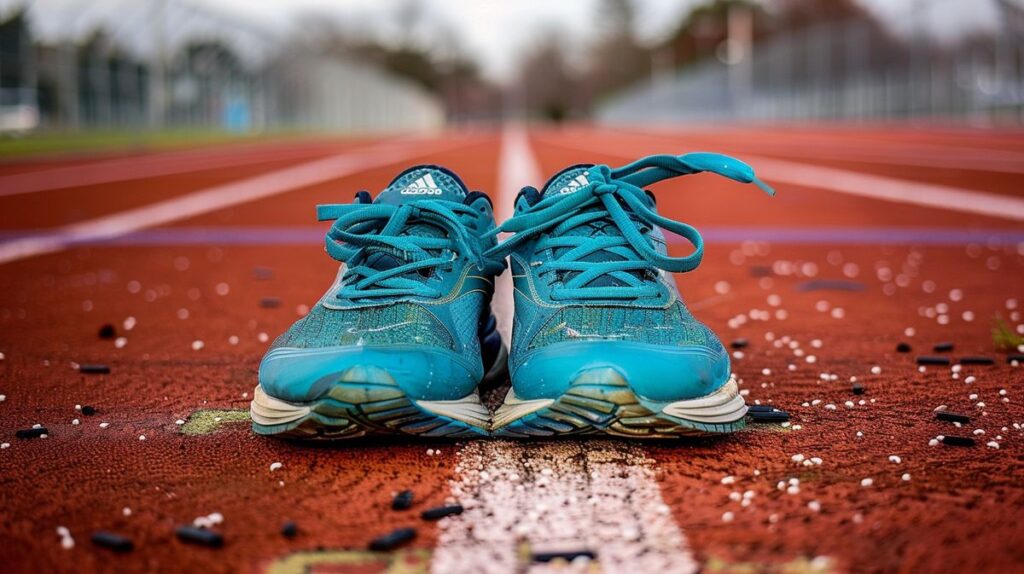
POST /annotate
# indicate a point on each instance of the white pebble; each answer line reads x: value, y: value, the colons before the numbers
x: 867, y: 482
x: 895, y: 459
x: 275, y: 465
x: 906, y: 477
x: 197, y: 345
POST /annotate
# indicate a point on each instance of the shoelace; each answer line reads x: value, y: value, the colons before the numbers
x: 616, y: 195
x: 362, y: 232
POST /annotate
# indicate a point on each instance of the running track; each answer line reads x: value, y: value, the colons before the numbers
x: 918, y: 232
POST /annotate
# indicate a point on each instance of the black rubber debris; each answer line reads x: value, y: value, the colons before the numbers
x: 739, y: 343
x: 201, y: 536
x: 107, y: 332
x: 402, y: 500
x: 944, y: 347
x: 958, y: 441
x: 952, y: 417
x: 88, y: 411
x: 829, y: 285
x: 568, y: 555
x: 31, y: 433
x: 766, y: 414
x: 94, y: 369
x: 392, y: 540
x: 858, y: 389
x: 977, y: 360
x: 289, y: 529
x: 115, y: 542
x: 932, y: 360
x: 440, y: 512
x: 1015, y: 357
x: 270, y: 302
x: 903, y: 348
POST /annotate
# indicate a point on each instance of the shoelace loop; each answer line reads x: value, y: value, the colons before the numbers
x: 616, y: 195
x: 363, y: 232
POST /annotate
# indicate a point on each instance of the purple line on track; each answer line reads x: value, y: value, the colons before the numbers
x: 306, y: 235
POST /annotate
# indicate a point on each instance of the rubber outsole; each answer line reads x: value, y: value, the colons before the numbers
x: 365, y: 402
x: 600, y: 402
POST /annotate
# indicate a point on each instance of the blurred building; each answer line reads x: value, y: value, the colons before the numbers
x: 829, y: 59
x: 168, y: 64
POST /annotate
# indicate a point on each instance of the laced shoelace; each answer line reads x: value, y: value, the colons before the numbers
x: 362, y: 233
x: 614, y: 196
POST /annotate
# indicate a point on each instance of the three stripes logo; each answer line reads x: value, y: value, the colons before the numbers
x: 574, y: 185
x: 424, y: 185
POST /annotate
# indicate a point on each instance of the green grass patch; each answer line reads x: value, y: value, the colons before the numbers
x: 800, y: 565
x: 207, y: 421
x: 60, y: 142
x: 1003, y: 336
x: 410, y: 561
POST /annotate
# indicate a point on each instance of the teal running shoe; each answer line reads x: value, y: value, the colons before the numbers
x: 602, y: 342
x: 403, y: 339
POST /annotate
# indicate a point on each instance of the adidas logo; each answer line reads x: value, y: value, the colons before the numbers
x: 575, y: 185
x: 422, y: 186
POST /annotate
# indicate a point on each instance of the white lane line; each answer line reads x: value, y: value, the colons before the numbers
x: 135, y: 168
x: 600, y: 496
x: 865, y: 185
x: 517, y: 168
x: 213, y: 199
x: 937, y: 156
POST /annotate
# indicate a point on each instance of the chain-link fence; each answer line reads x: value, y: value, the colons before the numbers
x: 857, y: 70
x: 171, y: 64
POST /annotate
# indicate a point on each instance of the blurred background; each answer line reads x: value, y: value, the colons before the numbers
x: 206, y: 68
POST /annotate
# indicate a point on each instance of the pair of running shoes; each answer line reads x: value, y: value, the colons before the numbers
x: 405, y: 339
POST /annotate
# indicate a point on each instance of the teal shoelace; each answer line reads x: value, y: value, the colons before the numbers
x: 614, y: 196
x: 382, y: 247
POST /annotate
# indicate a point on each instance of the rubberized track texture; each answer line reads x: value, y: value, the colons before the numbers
x: 175, y: 269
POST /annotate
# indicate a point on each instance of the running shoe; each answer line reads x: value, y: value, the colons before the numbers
x: 404, y: 337
x: 602, y: 341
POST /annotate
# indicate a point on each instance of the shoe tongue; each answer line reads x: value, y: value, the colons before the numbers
x: 423, y: 182
x: 416, y: 184
x: 568, y: 181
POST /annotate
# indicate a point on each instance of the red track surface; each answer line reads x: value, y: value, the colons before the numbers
x: 959, y: 512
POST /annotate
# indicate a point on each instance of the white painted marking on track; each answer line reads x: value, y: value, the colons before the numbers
x: 600, y: 496
x: 958, y: 199
x: 889, y: 189
x: 517, y: 169
x: 145, y: 166
x: 212, y: 199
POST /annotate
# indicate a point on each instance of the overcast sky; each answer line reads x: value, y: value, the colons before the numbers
x: 493, y: 31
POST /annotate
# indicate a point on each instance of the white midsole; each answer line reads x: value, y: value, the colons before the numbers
x: 722, y: 406
x: 266, y: 410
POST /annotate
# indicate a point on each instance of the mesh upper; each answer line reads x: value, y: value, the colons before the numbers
x: 669, y: 326
x: 398, y: 323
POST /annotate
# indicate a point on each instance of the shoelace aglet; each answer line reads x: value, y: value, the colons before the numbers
x: 764, y: 186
